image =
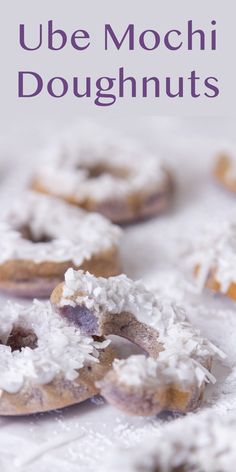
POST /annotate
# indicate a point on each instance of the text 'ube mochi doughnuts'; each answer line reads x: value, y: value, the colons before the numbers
x: 173, y: 377
x: 42, y: 236
x: 201, y: 443
x: 45, y: 363
x: 106, y: 174
x: 225, y: 170
x: 213, y: 259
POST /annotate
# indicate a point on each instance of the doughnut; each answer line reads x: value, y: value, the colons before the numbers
x: 106, y: 174
x: 173, y: 375
x: 203, y: 443
x: 41, y: 236
x: 225, y: 171
x: 45, y: 363
x: 213, y: 259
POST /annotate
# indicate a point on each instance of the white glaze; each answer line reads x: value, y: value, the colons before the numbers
x: 184, y: 348
x: 75, y: 234
x: 65, y: 170
x: 61, y: 349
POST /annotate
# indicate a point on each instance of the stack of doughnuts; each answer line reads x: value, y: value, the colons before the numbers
x: 107, y: 174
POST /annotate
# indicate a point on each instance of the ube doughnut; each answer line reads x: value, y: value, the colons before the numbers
x: 104, y: 173
x: 41, y: 237
x: 45, y: 363
x: 177, y: 367
x: 213, y: 259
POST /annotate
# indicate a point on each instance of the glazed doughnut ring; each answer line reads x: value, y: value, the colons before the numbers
x: 203, y: 443
x: 41, y: 237
x: 213, y: 259
x: 173, y: 377
x: 46, y: 364
x: 108, y: 175
x: 225, y: 171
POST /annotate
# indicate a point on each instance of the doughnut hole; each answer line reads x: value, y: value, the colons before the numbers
x: 124, y: 347
x: 100, y: 169
x: 20, y: 337
x: 27, y: 233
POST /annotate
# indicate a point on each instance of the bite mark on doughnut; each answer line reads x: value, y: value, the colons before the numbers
x: 123, y: 324
x: 81, y: 317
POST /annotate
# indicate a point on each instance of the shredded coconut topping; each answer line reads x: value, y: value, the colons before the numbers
x: 141, y: 370
x: 185, y: 351
x: 215, y: 251
x: 73, y: 234
x: 207, y: 445
x: 60, y: 349
x: 68, y: 163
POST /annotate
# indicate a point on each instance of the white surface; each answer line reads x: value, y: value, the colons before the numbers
x: 78, y: 437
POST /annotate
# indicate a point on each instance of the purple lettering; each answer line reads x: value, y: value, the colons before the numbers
x: 153, y: 34
x: 193, y: 80
x: 77, y: 38
x: 118, y: 43
x: 21, y: 89
x: 57, y: 81
x: 123, y: 80
x: 146, y: 81
x: 104, y: 85
x: 179, y: 93
x: 213, y: 36
x: 87, y: 92
x: 22, y: 39
x: 212, y: 87
x: 192, y: 33
x: 167, y: 42
x: 60, y: 35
